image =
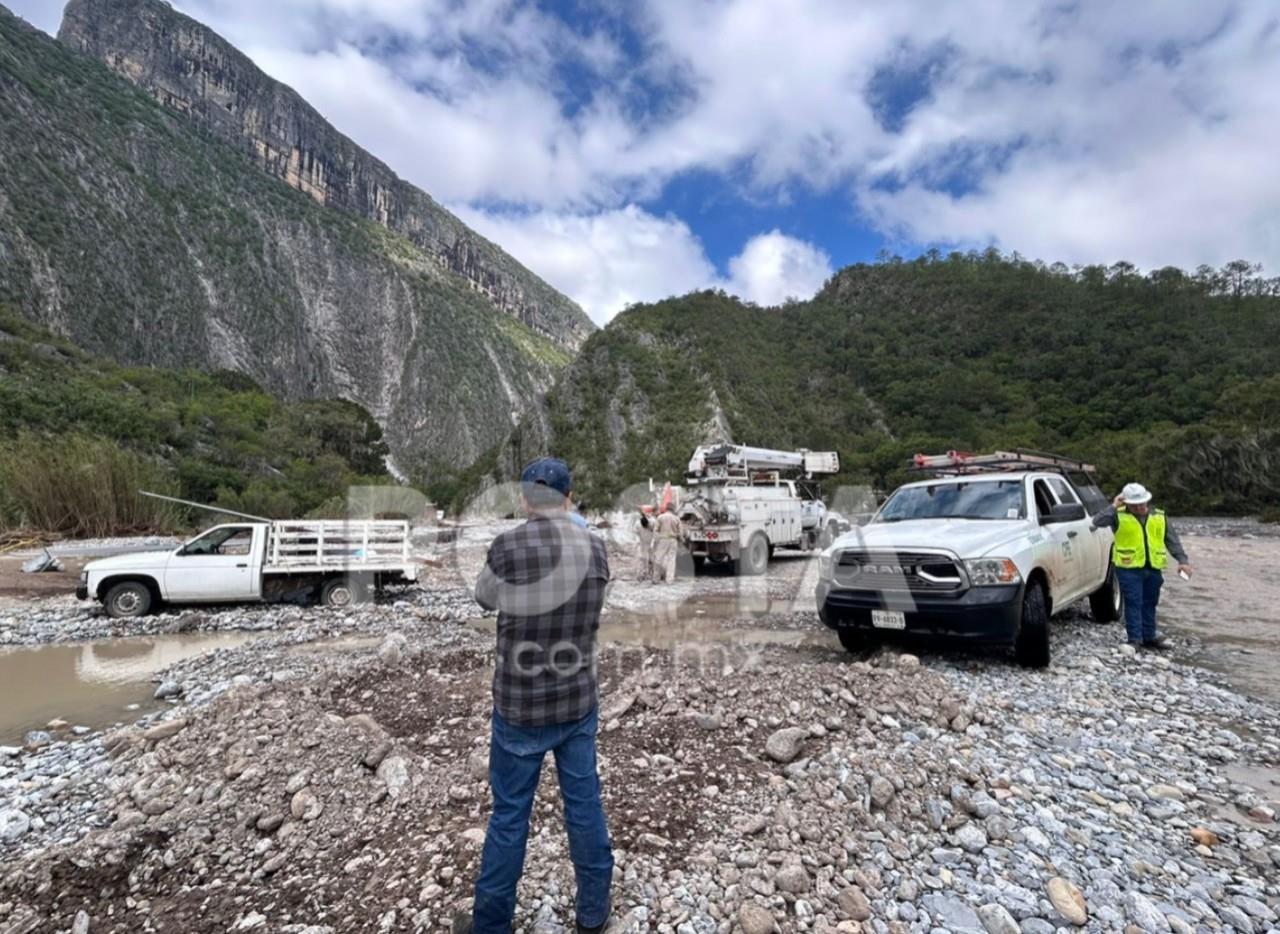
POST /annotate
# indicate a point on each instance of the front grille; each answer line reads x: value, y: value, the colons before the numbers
x: 921, y: 572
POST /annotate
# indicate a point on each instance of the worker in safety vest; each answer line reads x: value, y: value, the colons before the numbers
x: 1144, y: 540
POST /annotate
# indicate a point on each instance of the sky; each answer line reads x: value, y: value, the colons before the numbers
x: 628, y: 150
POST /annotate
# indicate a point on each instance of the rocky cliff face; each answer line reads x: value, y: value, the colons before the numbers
x: 126, y: 227
x: 190, y: 69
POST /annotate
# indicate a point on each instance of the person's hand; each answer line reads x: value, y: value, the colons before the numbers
x: 1185, y: 569
x: 1118, y: 501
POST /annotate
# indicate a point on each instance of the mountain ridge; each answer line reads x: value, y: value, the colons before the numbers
x: 189, y: 68
x: 127, y: 228
x: 1171, y: 378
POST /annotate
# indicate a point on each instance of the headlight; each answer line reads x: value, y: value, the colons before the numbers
x: 825, y: 561
x: 983, y: 572
x: 84, y: 577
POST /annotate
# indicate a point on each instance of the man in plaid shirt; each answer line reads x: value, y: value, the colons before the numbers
x: 547, y: 581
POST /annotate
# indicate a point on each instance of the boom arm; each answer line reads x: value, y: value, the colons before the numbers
x: 725, y: 461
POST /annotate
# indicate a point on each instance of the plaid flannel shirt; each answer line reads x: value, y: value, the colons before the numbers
x: 547, y: 580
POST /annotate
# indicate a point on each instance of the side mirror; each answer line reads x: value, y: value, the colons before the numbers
x: 1064, y: 512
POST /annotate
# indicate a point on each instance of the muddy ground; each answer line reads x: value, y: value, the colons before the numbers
x: 329, y: 773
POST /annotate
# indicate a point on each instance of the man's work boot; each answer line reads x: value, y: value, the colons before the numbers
x: 598, y: 929
x: 1159, y: 643
x: 462, y: 923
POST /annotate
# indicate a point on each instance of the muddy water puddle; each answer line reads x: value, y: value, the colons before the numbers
x: 92, y: 684
x: 1232, y: 607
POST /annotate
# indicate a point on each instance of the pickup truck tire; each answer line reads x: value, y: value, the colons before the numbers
x: 1107, y: 602
x: 827, y: 536
x: 854, y: 640
x: 1031, y: 648
x: 755, y: 557
x: 343, y: 592
x: 128, y: 600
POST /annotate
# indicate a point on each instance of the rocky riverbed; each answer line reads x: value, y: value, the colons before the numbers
x: 329, y: 776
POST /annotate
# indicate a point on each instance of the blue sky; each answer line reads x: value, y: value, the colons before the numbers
x: 627, y: 150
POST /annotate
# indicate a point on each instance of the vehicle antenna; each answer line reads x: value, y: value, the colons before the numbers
x: 217, y: 509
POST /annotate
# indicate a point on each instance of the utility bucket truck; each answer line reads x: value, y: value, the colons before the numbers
x: 743, y: 502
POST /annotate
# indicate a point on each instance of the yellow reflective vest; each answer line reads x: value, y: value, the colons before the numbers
x: 1133, y: 541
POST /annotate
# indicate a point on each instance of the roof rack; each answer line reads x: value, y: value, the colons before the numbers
x: 957, y: 463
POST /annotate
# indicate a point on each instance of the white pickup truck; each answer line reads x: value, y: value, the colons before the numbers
x: 339, y: 562
x: 986, y: 555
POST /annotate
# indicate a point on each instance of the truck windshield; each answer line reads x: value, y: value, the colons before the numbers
x: 989, y: 499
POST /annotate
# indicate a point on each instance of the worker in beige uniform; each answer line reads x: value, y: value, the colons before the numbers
x: 667, y: 531
x: 646, y: 543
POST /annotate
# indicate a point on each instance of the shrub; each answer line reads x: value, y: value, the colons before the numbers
x: 81, y: 486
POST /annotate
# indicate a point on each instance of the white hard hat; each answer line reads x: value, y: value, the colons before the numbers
x: 1135, y: 494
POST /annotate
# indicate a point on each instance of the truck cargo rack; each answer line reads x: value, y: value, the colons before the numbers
x: 959, y: 463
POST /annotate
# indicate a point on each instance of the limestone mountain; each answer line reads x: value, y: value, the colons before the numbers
x: 189, y: 68
x: 147, y: 234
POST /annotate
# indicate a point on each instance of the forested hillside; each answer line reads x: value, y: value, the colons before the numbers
x: 80, y: 435
x: 1171, y: 378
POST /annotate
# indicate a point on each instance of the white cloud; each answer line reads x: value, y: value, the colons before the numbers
x: 774, y: 267
x: 612, y: 259
x: 602, y: 261
x: 1081, y: 132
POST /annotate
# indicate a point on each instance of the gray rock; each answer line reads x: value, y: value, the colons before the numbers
x: 755, y: 919
x: 377, y: 752
x: 793, y: 878
x: 952, y: 913
x: 997, y: 920
x: 305, y: 805
x: 882, y: 791
x: 168, y: 689
x: 784, y: 745
x: 1037, y: 926
x: 14, y: 825
x: 1237, y: 919
x: 972, y: 838
x: 854, y: 904
x: 81, y: 923
x: 1143, y: 912
x: 394, y: 772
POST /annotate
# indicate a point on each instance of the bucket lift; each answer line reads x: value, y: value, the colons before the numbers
x: 724, y: 462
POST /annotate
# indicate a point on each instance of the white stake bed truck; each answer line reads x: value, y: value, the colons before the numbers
x: 339, y: 562
x: 743, y: 502
x: 986, y: 552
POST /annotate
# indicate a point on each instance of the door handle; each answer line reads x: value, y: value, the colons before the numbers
x: 1071, y: 534
x: 245, y: 565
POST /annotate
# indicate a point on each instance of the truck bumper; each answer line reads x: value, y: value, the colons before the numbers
x: 82, y: 592
x: 980, y: 614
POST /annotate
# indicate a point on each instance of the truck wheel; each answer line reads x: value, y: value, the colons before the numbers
x: 699, y: 563
x: 342, y: 592
x: 1031, y: 648
x: 827, y: 536
x: 1107, y: 602
x: 854, y: 640
x: 128, y: 600
x: 755, y: 557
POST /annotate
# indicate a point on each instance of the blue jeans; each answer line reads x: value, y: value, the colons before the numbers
x: 515, y: 764
x: 1141, y: 589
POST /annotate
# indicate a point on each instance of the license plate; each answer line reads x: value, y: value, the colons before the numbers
x: 888, y: 619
